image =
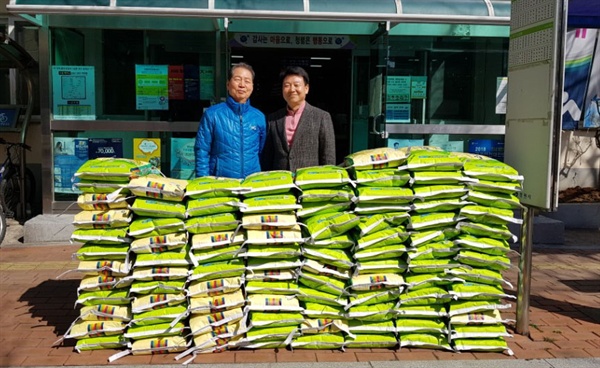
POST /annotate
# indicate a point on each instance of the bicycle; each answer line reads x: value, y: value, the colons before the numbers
x: 10, y: 186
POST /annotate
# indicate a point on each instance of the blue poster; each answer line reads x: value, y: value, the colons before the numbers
x: 183, y: 163
x: 105, y: 147
x: 493, y: 148
x: 69, y: 155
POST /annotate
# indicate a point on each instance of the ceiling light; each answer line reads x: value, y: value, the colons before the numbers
x: 319, y: 58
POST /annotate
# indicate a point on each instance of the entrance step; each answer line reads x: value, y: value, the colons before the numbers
x: 48, y: 229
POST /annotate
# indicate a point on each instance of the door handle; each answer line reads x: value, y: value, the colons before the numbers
x: 383, y: 134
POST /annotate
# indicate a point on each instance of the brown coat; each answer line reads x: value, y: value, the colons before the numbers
x: 313, y: 145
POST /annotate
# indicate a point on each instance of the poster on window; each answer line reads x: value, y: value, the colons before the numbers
x: 73, y: 92
x: 148, y: 150
x: 152, y: 87
x: 69, y: 155
x: 397, y: 89
x: 183, y: 158
x: 397, y: 113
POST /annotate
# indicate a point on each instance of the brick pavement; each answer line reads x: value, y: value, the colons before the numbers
x: 37, y: 309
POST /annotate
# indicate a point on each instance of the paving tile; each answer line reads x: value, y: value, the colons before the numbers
x: 257, y: 357
x: 44, y: 360
x: 521, y: 353
x: 569, y: 353
x: 406, y: 354
x: 450, y: 355
x: 288, y: 356
x: 327, y: 356
x: 225, y: 357
x: 366, y: 357
x: 593, y: 352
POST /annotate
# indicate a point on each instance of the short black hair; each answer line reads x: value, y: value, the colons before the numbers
x: 240, y: 65
x: 295, y: 70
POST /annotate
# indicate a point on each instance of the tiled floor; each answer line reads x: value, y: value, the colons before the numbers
x: 36, y: 309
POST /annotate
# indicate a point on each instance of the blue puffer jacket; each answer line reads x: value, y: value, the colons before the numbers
x: 230, y: 139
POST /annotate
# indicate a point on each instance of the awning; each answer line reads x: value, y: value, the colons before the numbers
x: 583, y: 14
x: 486, y: 12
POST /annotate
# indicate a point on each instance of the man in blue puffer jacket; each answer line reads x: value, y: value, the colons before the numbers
x: 231, y: 134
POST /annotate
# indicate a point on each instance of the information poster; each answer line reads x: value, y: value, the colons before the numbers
x: 69, y: 155
x: 73, y: 92
x: 397, y: 89
x: 400, y: 143
x: 207, y: 82
x: 147, y: 149
x: 105, y: 147
x: 176, y: 82
x: 418, y: 87
x: 152, y: 87
x: 192, y: 82
x: 397, y: 113
x: 183, y: 158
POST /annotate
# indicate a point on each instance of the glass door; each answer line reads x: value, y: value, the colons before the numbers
x: 379, y: 57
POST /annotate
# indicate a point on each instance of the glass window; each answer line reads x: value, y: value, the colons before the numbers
x: 460, y: 73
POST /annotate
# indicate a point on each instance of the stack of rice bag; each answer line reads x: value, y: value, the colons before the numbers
x: 102, y: 227
x: 438, y: 186
x: 327, y: 264
x: 215, y: 283
x: 483, y: 243
x: 384, y: 200
x: 161, y: 266
x: 272, y: 252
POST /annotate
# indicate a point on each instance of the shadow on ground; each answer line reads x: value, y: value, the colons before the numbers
x: 576, y: 311
x: 53, y: 302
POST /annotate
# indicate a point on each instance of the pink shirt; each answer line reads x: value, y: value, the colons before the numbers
x: 291, y: 123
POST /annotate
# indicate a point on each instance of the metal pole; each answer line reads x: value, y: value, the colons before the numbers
x: 524, y: 283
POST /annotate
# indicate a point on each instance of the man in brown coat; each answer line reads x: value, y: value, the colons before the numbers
x: 298, y: 135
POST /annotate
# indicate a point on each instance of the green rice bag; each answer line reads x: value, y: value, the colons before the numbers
x: 439, y: 205
x: 371, y: 341
x: 497, y: 200
x: 376, y: 158
x: 321, y: 177
x: 381, y: 177
x: 91, y: 251
x: 487, y: 186
x: 308, y: 294
x: 392, y: 265
x: 269, y: 221
x: 501, y: 232
x: 360, y: 327
x: 157, y: 330
x: 158, y: 287
x: 439, y: 177
x: 327, y: 226
x: 100, y: 343
x: 275, y: 251
x: 372, y: 313
x: 217, y: 254
x: 389, y: 236
x: 328, y: 195
x: 212, y: 223
x: 373, y: 297
x: 96, y: 297
x: 343, y: 241
x: 421, y: 311
x: 271, y: 287
x: 314, y: 209
x: 380, y: 252
x: 492, y: 170
x: 113, y: 169
x: 385, y: 195
x: 458, y: 307
x: 438, y: 191
x: 337, y: 258
x: 428, y: 160
x: 380, y: 221
x: 100, y: 201
x: 367, y: 208
x: 102, y: 187
x: 154, y: 226
x: 317, y: 267
x: 268, y: 183
x: 212, y: 186
x: 318, y: 310
x: 431, y: 265
x: 101, y: 236
x: 270, y: 203
x: 279, y: 319
x: 476, y: 259
x: 424, y: 340
x: 477, y: 291
x: 482, y: 344
x: 148, y: 207
x: 212, y: 205
x: 489, y: 215
x: 482, y: 244
x: 319, y: 341
x: 158, y: 187
x: 323, y: 283
x: 432, y: 220
x: 159, y: 243
x: 479, y: 275
x: 425, y: 296
x: 210, y: 271
x: 421, y: 325
x: 217, y: 239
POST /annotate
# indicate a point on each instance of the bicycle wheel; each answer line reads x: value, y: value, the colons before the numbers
x: 11, y: 192
x: 2, y: 225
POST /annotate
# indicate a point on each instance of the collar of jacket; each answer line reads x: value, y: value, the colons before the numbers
x: 238, y: 108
